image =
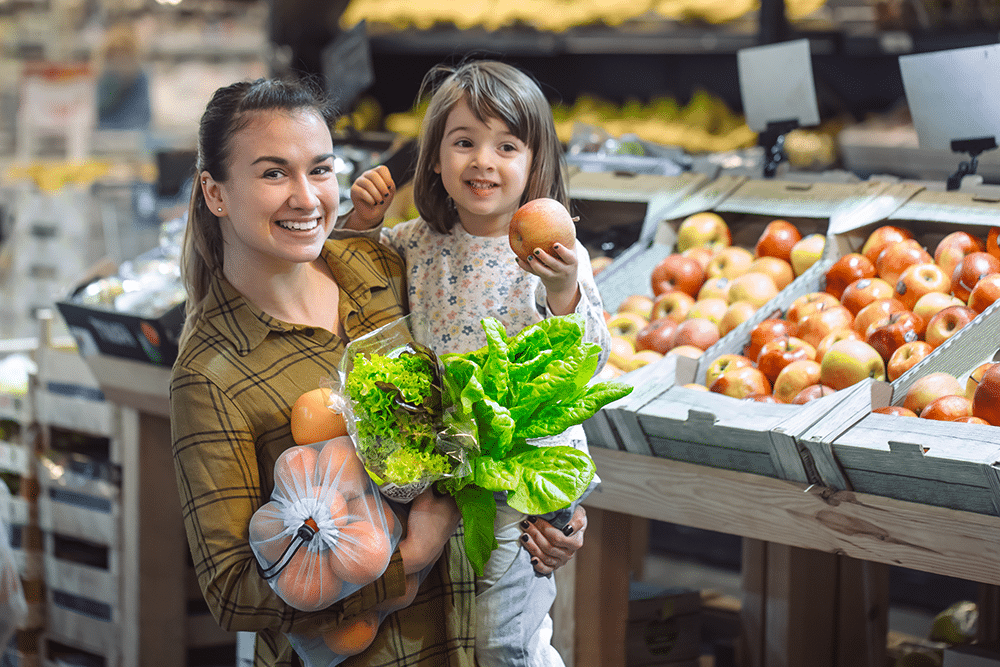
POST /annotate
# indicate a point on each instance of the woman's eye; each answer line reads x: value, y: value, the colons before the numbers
x: 323, y: 169
x: 272, y: 173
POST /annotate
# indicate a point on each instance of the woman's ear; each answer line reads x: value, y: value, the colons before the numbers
x: 212, y: 192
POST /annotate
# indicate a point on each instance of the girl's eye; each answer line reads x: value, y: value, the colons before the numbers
x: 508, y: 148
x: 463, y: 143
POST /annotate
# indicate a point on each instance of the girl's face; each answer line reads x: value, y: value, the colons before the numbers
x: 281, y: 199
x: 484, y: 168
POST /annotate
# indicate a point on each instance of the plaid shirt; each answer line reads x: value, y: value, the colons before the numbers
x: 231, y: 397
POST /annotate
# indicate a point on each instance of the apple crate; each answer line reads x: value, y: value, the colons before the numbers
x: 80, y: 498
x: 619, y: 210
x: 68, y: 394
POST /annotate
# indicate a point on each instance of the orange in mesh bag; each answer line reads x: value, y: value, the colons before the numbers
x: 325, y: 532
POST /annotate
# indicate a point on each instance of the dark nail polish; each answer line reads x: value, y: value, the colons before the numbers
x: 567, y: 531
x: 538, y: 251
x: 524, y: 538
x: 532, y: 519
x: 525, y: 524
x: 534, y: 561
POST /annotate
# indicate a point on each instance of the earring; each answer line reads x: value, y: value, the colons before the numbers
x: 220, y: 209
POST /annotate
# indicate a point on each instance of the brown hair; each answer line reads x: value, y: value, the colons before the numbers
x: 493, y: 90
x: 229, y: 111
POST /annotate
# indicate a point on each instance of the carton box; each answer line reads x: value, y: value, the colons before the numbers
x: 663, y: 629
x: 148, y: 340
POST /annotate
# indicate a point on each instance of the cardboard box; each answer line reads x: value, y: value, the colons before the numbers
x: 149, y: 340
x: 664, y: 629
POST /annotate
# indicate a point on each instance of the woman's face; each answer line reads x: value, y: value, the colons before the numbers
x: 281, y: 199
x: 484, y: 168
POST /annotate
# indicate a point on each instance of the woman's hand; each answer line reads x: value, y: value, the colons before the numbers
x: 371, y: 195
x: 432, y: 520
x: 551, y: 548
x: 558, y: 272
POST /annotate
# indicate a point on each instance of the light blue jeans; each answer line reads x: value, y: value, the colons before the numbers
x: 513, y: 626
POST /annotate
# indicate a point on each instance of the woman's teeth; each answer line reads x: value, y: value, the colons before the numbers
x: 298, y: 226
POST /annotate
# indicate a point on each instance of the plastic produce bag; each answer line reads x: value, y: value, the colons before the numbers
x: 400, y: 409
x: 325, y: 532
x: 13, y: 604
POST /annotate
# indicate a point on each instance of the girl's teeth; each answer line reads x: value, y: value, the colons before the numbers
x: 300, y: 226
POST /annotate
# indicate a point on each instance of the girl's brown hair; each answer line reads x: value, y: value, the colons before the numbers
x: 493, y: 90
x: 229, y: 111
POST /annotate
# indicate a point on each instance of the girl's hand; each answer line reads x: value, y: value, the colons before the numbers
x: 432, y: 520
x: 371, y: 195
x: 551, y: 548
x: 558, y: 272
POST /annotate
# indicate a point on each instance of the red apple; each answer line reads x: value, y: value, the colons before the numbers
x: 863, y: 291
x: 722, y: 363
x: 917, y: 280
x: 806, y: 303
x: 812, y: 392
x: 779, y: 270
x: 947, y: 408
x: 702, y: 254
x: 627, y: 325
x: 741, y: 382
x: 993, y: 242
x: 621, y: 351
x: 895, y: 257
x: 699, y: 332
x: 930, y: 304
x: 953, y: 248
x: 895, y: 410
x: 735, y: 315
x: 816, y: 325
x: 985, y: 293
x: 761, y: 398
x: 777, y: 240
x: 777, y: 354
x: 541, y: 223
x: 658, y: 336
x: 714, y: 288
x: 967, y: 273
x: 833, y: 337
x: 640, y: 304
x: 947, y: 323
x: 975, y: 377
x: 703, y: 229
x: 642, y: 358
x: 675, y: 305
x: 893, y: 331
x: 882, y: 237
x: 906, y: 357
x: 852, y: 266
x: 873, y: 312
x: 807, y: 252
x: 753, y: 287
x: 677, y: 272
x: 986, y: 400
x: 709, y: 309
x: 971, y: 420
x: 729, y: 263
x: 930, y: 387
x: 795, y: 377
x: 848, y: 362
x: 770, y: 329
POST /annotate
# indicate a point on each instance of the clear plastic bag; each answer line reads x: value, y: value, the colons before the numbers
x: 13, y: 604
x: 401, y: 412
x: 326, y: 531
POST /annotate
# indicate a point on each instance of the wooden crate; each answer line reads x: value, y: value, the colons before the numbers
x: 69, y: 396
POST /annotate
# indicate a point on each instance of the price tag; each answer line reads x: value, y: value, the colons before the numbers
x: 347, y: 66
x: 768, y: 98
x: 953, y: 95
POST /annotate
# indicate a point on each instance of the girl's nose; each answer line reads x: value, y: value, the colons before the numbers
x: 483, y: 158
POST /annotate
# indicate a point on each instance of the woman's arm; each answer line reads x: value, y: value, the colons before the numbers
x: 551, y: 548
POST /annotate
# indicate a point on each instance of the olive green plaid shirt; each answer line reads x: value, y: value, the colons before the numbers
x: 231, y: 393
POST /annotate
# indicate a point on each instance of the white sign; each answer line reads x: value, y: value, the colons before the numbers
x: 776, y: 84
x: 953, y: 94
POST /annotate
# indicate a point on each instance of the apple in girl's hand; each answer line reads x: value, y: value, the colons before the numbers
x: 828, y: 340
x: 753, y: 287
x: 947, y: 323
x: 970, y: 270
x: 986, y: 291
x: 930, y: 387
x: 658, y: 336
x: 703, y: 229
x: 779, y: 270
x: 882, y: 237
x: 848, y: 362
x: 975, y: 377
x: 894, y: 259
x: 930, y: 304
x: 807, y: 252
x: 677, y: 272
x: 540, y: 223
x: 917, y: 280
x: 852, y: 266
x: 722, y: 363
x: 717, y: 287
x: 906, y: 357
x: 862, y: 292
x: 674, y: 305
x: 874, y: 312
x: 953, y: 248
x: 777, y: 240
x: 795, y: 377
x: 812, y: 392
x: 737, y: 313
x: 986, y: 400
x: 741, y: 382
x: 729, y: 262
x: 806, y: 303
x: 895, y: 410
x: 698, y: 332
x: 640, y: 304
x: 947, y: 408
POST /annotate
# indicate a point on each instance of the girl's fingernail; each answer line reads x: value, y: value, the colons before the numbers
x: 567, y: 531
x: 538, y: 251
x: 534, y: 561
x: 556, y: 246
x: 525, y: 524
x: 530, y: 258
x: 532, y: 519
x: 524, y: 537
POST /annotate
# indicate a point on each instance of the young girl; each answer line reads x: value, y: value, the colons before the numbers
x: 488, y: 145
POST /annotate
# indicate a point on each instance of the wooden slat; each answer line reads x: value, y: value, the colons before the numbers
x: 868, y: 527
x: 602, y: 591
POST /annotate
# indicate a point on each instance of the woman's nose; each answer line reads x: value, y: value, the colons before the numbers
x: 303, y: 195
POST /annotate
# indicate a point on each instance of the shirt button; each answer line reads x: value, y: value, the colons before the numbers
x: 308, y: 332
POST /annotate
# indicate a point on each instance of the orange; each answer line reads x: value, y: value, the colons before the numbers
x: 294, y: 471
x: 368, y: 507
x: 266, y: 525
x: 306, y: 583
x: 354, y: 637
x: 338, y: 462
x: 312, y: 419
x: 361, y: 554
